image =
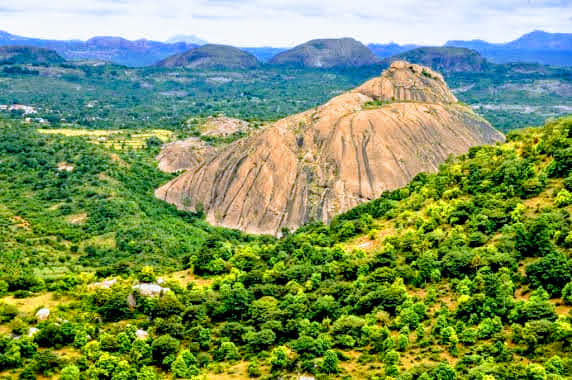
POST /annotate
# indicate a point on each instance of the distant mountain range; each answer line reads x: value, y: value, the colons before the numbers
x: 538, y: 47
x: 389, y: 50
x: 113, y: 49
x: 264, y: 54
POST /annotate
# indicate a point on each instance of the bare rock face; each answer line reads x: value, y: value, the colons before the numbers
x: 408, y: 82
x: 317, y: 164
x: 183, y: 155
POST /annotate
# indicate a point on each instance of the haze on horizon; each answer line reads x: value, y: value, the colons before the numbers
x: 287, y: 22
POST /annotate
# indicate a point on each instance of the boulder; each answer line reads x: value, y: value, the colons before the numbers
x: 43, y: 314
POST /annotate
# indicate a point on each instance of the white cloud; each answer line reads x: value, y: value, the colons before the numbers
x: 286, y: 22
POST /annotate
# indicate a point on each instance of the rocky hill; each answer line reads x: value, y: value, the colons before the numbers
x: 450, y: 59
x: 212, y: 56
x: 327, y: 53
x: 28, y: 55
x: 316, y: 164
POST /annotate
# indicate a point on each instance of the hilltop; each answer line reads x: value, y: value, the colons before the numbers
x: 317, y: 164
x: 10, y: 55
x: 327, y: 53
x: 212, y: 56
x: 448, y: 59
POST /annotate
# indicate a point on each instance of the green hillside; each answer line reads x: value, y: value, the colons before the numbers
x: 465, y: 274
x: 11, y: 55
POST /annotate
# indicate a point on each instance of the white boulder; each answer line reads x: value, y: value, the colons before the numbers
x: 43, y: 314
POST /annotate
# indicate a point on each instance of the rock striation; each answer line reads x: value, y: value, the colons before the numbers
x: 319, y: 163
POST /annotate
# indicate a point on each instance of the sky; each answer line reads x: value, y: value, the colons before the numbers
x: 287, y: 22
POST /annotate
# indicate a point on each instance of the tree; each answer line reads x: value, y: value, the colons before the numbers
x: 254, y: 369
x: 163, y: 347
x: 147, y: 274
x: 330, y: 363
x: 567, y: 293
x: 444, y: 372
x: 555, y: 365
x: 552, y: 272
x: 279, y: 359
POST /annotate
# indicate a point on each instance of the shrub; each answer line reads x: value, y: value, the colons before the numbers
x: 552, y: 272
x: 567, y: 293
x: 330, y: 363
x: 163, y: 347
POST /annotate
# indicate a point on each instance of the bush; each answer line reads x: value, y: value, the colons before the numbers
x: 552, y: 272
x: 71, y: 372
x: 567, y: 293
x: 163, y: 347
x: 254, y: 369
x: 330, y: 363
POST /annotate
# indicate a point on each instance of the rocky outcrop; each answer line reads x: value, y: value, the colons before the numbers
x: 319, y: 163
x: 212, y: 57
x: 222, y: 126
x: 406, y: 82
x: 43, y: 314
x: 327, y: 53
x: 183, y: 155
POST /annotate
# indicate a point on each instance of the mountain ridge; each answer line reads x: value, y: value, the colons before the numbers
x: 536, y: 47
x: 118, y: 50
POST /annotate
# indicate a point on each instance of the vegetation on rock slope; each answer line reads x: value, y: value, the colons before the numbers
x: 461, y: 274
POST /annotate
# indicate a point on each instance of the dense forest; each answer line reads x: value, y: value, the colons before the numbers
x: 461, y: 274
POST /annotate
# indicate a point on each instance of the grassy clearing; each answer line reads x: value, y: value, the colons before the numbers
x: 31, y: 304
x: 115, y: 139
x: 185, y: 277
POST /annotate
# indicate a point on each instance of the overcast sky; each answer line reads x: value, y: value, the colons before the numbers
x: 287, y: 22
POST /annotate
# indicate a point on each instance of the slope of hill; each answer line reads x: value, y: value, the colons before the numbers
x: 112, y: 49
x: 462, y: 274
x: 448, y: 59
x: 10, y: 55
x: 316, y: 164
x: 327, y: 53
x: 538, y: 46
x: 212, y: 56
